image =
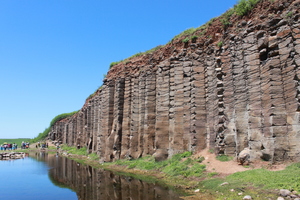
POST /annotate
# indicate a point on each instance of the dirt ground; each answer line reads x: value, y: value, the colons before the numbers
x: 232, y: 166
x: 33, y: 145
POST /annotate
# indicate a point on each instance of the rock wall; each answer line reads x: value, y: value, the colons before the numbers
x: 227, y: 89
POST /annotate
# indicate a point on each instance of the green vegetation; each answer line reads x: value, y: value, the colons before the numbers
x: 18, y: 141
x: 220, y: 44
x: 93, y: 94
x: 179, y: 165
x: 62, y: 116
x: 73, y: 150
x: 44, y: 134
x: 185, y: 40
x: 187, y: 32
x: 289, y: 14
x: 225, y: 18
x: 258, y: 183
x: 244, y: 6
x: 41, y: 136
x: 135, y: 55
x: 224, y: 158
x: 93, y: 156
x: 285, y: 179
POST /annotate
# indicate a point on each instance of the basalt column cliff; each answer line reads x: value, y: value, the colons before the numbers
x: 226, y: 87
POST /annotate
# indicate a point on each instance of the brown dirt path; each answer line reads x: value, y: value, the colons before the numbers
x: 232, y: 166
x: 223, y: 168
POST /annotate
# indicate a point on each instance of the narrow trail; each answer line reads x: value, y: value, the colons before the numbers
x: 232, y: 166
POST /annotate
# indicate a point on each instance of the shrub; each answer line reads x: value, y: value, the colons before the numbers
x: 225, y: 18
x: 185, y: 40
x: 244, y: 6
x: 220, y: 44
x: 194, y: 38
x: 114, y: 63
x: 223, y: 158
x: 289, y: 14
x: 62, y: 116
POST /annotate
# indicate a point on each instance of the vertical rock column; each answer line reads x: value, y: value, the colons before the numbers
x: 100, y: 127
x: 241, y: 93
x: 187, y: 134
x: 106, y: 119
x: 96, y: 123
x: 286, y: 76
x: 162, y: 112
x: 90, y: 126
x: 293, y: 92
x: 141, y: 111
x: 150, y: 109
x: 80, y: 127
x: 225, y: 75
x: 113, y: 141
x: 211, y: 99
x: 134, y: 135
x: 126, y: 119
x: 179, y: 142
x: 252, y: 62
x: 198, y: 109
x: 221, y: 118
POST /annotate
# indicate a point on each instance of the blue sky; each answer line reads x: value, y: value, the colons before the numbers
x: 55, y: 53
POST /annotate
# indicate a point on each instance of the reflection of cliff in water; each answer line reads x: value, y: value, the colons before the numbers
x: 92, y: 184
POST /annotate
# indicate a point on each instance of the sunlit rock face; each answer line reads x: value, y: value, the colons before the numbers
x: 227, y: 89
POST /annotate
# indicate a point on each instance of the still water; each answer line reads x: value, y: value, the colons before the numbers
x: 47, y: 176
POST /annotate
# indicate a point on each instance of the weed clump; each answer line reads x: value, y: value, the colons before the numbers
x: 224, y: 158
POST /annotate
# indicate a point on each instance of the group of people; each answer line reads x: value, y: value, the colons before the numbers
x: 42, y: 145
x: 6, y: 146
x: 24, y: 145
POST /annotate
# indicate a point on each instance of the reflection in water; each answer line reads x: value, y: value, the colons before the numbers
x: 92, y: 184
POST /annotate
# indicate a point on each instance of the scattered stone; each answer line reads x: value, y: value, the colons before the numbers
x: 247, y: 197
x: 280, y: 198
x: 284, y: 192
x: 225, y: 183
x: 11, y: 155
x: 198, y: 190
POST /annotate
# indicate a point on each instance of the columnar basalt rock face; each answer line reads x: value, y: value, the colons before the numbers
x: 190, y: 96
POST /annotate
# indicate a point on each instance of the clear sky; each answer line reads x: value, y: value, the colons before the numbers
x: 55, y: 53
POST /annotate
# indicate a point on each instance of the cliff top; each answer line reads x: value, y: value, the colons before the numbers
x: 247, y: 15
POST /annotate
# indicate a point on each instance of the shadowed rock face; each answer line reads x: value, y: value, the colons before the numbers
x: 190, y: 96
